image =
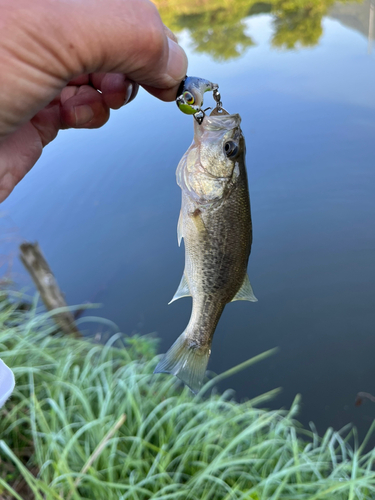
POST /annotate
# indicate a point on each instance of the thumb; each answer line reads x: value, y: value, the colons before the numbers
x: 45, y: 44
x: 125, y: 36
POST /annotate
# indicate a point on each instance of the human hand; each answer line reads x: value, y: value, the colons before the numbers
x: 54, y: 58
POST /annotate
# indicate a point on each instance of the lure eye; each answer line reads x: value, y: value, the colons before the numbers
x: 189, y: 98
x: 230, y: 149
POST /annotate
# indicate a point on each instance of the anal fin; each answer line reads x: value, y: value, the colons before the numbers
x: 245, y: 292
x: 182, y: 290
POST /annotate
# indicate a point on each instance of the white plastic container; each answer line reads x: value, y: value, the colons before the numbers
x: 6, y: 382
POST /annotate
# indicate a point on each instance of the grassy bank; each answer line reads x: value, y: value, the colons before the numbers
x: 91, y: 422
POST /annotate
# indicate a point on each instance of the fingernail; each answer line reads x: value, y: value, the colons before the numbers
x: 129, y: 92
x: 134, y: 93
x: 83, y: 114
x: 177, y: 61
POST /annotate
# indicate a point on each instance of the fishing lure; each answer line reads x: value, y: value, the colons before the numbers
x: 190, y: 96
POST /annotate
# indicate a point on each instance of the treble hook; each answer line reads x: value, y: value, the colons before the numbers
x: 199, y: 116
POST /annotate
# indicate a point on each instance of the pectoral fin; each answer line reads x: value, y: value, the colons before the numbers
x: 182, y: 290
x: 245, y: 292
x: 198, y: 221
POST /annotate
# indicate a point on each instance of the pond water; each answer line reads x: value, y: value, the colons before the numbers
x: 104, y: 204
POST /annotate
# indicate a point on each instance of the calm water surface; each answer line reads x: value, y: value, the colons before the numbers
x: 104, y: 205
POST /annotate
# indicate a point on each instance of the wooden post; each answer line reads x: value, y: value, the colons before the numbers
x: 40, y: 272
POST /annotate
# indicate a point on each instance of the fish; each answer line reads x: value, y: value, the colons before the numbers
x: 190, y: 94
x: 215, y: 224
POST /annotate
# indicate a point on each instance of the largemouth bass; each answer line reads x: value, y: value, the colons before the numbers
x: 215, y: 223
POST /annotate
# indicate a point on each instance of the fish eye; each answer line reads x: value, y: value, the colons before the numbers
x: 189, y: 98
x: 230, y: 149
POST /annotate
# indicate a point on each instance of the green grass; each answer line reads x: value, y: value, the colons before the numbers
x: 88, y: 421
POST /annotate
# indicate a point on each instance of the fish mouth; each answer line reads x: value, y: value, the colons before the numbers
x: 222, y: 122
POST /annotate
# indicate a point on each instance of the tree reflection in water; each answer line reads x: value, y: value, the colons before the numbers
x: 217, y: 27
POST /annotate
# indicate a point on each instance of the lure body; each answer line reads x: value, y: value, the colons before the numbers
x: 190, y: 94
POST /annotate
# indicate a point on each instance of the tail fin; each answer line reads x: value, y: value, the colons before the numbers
x: 187, y: 361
